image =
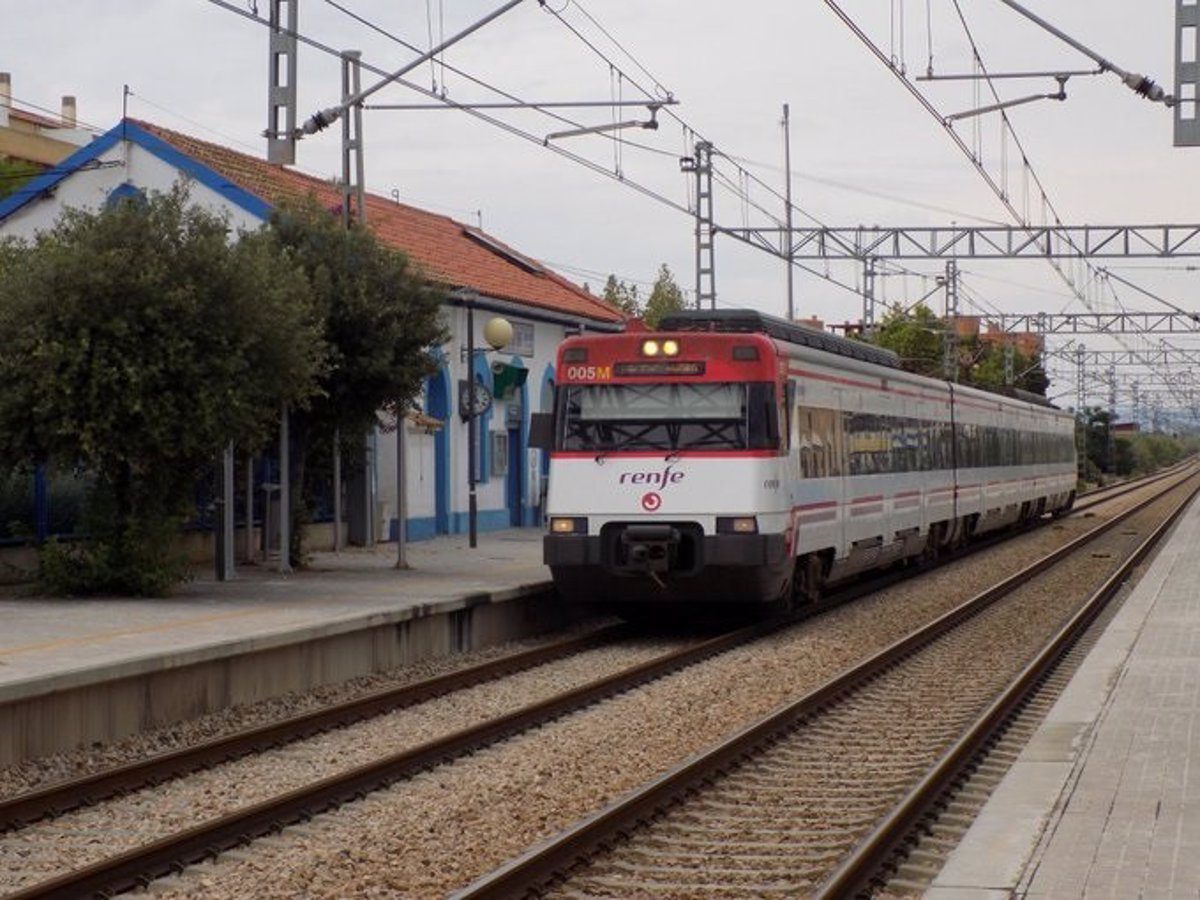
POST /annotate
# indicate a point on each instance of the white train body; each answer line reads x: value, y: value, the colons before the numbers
x: 699, y: 476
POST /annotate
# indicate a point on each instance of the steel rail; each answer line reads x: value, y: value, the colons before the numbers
x: 1109, y: 491
x: 64, y: 796
x: 857, y: 872
x: 122, y: 872
x: 55, y: 799
x: 554, y: 858
x: 139, y: 866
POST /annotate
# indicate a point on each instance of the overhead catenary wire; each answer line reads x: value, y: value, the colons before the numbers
x: 444, y: 67
x: 491, y: 120
x: 973, y: 156
x: 591, y: 45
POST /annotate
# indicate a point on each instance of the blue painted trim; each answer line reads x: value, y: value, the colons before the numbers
x: 124, y: 191
x: 437, y: 404
x: 485, y: 520
x: 515, y: 484
x: 132, y: 132
x: 421, y: 529
x: 424, y: 528
x: 239, y: 196
x: 483, y: 375
x: 47, y: 181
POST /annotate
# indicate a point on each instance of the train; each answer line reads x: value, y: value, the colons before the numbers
x: 732, y: 457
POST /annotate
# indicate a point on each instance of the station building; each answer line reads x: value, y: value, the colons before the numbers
x: 483, y: 276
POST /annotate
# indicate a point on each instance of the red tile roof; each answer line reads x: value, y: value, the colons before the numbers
x: 442, y: 247
x: 35, y: 118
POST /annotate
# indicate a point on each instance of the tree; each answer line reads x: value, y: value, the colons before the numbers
x: 1094, y: 423
x: 665, y: 297
x: 135, y: 343
x: 624, y: 297
x: 986, y: 369
x: 915, y: 336
x: 15, y: 174
x: 380, y: 321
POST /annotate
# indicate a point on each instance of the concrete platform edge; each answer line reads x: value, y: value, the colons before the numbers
x: 45, y: 715
x: 995, y: 857
x: 43, y: 685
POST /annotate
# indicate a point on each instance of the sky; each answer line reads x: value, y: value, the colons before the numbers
x: 863, y: 149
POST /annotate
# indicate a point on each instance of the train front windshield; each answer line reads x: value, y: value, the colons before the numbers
x: 668, y: 417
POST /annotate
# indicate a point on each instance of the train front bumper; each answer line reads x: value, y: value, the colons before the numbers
x: 714, y: 550
x: 656, y: 565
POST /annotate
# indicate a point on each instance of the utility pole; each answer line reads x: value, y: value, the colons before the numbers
x: 354, y: 213
x: 1187, y: 74
x: 285, y: 495
x: 1112, y: 418
x: 1080, y: 377
x: 868, y: 295
x: 281, y: 79
x: 701, y: 165
x: 472, y: 475
x: 282, y: 135
x: 352, y: 143
x: 787, y: 174
x: 950, y: 336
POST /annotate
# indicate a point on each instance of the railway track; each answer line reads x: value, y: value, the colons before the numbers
x: 780, y: 808
x: 1096, y: 496
x: 140, y: 865
x: 203, y: 840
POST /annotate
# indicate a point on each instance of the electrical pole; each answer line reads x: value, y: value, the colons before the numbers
x: 787, y: 172
x: 354, y: 212
x: 868, y: 295
x: 472, y: 505
x: 281, y: 79
x: 950, y: 336
x: 701, y: 165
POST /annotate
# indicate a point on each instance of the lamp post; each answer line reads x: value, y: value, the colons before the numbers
x: 497, y: 332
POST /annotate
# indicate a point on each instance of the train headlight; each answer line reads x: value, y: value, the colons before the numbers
x: 670, y: 348
x: 568, y: 525
x: 650, y: 348
x: 737, y: 525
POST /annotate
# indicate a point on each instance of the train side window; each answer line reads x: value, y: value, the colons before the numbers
x: 804, y: 432
x: 785, y: 416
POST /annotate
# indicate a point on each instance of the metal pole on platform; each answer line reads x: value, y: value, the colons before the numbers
x: 337, y: 490
x: 472, y: 509
x: 250, y: 508
x: 285, y: 513
x: 401, y: 494
x: 787, y: 235
x: 227, y: 518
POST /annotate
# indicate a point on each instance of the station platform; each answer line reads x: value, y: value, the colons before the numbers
x: 1105, y: 799
x: 213, y: 644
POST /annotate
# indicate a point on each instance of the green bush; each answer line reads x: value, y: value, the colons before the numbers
x: 136, y: 557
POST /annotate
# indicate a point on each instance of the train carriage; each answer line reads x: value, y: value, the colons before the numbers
x: 734, y: 457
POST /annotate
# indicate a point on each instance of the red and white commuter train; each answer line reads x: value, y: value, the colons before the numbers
x: 732, y: 457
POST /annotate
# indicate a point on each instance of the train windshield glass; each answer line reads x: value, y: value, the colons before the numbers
x: 668, y: 417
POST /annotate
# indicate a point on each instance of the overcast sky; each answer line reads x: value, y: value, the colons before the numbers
x: 863, y: 149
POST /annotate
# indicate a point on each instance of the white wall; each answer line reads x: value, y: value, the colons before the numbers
x: 420, y: 447
x: 89, y: 188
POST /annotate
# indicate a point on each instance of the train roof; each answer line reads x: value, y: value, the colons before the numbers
x: 752, y: 321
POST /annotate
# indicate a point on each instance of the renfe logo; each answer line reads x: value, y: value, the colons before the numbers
x: 661, y: 479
